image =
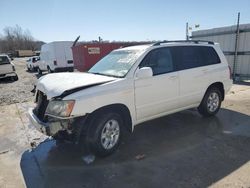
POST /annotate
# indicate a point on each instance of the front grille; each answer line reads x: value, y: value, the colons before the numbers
x: 41, y: 106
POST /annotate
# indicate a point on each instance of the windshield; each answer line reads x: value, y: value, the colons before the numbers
x: 4, y: 60
x: 117, y: 63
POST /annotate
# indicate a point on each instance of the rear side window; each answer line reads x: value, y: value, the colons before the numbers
x: 4, y: 60
x: 188, y: 57
x: 210, y: 56
x: 160, y: 60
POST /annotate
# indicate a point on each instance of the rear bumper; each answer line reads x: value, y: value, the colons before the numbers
x: 227, y: 85
x: 64, y: 69
x: 8, y: 74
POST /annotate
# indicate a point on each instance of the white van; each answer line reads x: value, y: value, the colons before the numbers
x: 56, y: 57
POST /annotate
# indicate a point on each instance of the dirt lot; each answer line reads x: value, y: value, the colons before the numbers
x: 180, y: 150
x: 17, y: 91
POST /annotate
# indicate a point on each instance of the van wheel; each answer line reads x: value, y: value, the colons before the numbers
x: 32, y: 69
x: 39, y: 71
x: 211, y: 102
x: 49, y: 70
x: 105, y: 133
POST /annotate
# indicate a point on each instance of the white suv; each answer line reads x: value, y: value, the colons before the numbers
x: 130, y: 86
x: 32, y: 63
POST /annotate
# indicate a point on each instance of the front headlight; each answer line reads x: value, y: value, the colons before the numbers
x: 60, y: 108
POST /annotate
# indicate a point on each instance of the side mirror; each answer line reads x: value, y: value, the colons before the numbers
x: 144, y: 72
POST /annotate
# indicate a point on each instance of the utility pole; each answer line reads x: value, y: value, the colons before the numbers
x: 187, y: 35
x: 236, y: 47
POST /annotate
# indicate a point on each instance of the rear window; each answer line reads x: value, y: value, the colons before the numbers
x: 4, y: 60
x: 194, y: 56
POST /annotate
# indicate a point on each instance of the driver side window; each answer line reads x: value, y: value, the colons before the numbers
x: 160, y: 60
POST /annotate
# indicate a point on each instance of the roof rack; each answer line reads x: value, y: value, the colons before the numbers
x: 183, y: 41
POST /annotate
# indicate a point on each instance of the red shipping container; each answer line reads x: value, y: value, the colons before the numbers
x: 85, y: 55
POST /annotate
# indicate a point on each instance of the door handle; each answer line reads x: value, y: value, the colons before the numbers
x: 172, y: 77
x: 205, y: 70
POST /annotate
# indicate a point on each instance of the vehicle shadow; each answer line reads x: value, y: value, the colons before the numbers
x: 244, y: 83
x: 179, y: 150
x: 7, y: 80
x: 39, y: 75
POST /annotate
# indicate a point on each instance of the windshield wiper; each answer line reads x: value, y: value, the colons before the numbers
x: 97, y: 73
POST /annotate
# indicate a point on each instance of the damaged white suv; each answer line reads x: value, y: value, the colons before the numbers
x: 127, y: 87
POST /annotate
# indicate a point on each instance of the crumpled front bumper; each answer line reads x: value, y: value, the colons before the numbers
x: 49, y: 128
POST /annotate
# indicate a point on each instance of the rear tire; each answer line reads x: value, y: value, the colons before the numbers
x: 14, y: 78
x: 104, y: 134
x: 211, y: 102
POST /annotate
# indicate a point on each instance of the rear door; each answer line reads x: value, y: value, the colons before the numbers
x: 158, y: 94
x: 60, y: 55
x: 194, y: 71
x: 68, y: 54
x: 5, y: 66
x: 63, y: 54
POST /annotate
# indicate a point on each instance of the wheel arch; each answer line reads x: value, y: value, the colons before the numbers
x: 122, y: 109
x: 218, y: 85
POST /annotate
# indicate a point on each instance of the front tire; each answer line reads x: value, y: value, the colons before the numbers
x: 105, y: 133
x: 211, y: 102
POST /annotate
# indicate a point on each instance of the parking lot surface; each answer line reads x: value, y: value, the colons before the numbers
x: 178, y: 150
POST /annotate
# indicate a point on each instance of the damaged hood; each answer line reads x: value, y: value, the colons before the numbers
x: 56, y: 84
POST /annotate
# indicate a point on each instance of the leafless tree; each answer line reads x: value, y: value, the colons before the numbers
x: 15, y: 38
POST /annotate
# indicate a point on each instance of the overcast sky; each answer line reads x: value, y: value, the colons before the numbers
x: 52, y: 20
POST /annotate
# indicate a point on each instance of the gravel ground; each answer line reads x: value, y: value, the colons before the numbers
x: 17, y: 91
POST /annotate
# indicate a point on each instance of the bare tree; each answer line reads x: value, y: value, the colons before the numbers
x: 15, y: 38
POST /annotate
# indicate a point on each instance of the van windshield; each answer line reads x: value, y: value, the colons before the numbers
x: 4, y: 60
x: 117, y: 63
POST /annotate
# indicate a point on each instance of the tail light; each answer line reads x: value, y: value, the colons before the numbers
x: 230, y: 72
x: 55, y: 63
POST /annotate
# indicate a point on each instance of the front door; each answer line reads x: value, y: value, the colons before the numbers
x: 158, y: 94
